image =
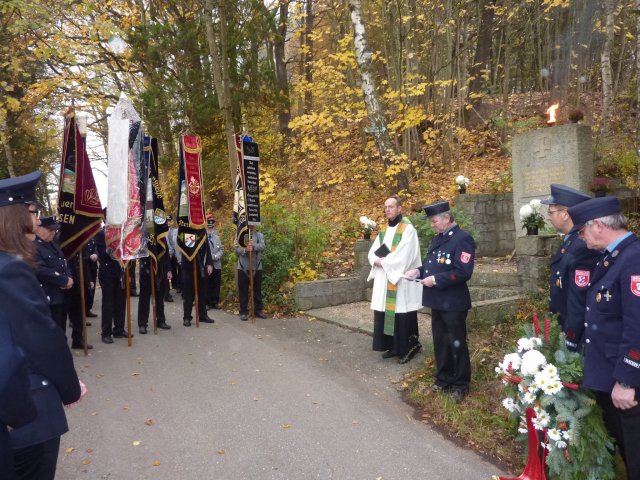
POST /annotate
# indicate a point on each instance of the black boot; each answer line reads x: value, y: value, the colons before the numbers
x: 414, y: 347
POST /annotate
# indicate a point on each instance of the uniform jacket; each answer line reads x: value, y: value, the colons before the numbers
x: 202, y: 259
x: 110, y: 270
x: 450, y: 260
x: 88, y: 250
x: 243, y: 256
x: 52, y: 376
x: 612, y: 320
x: 570, y: 273
x: 52, y: 271
x: 215, y: 247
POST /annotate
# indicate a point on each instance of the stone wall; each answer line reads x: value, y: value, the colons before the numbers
x: 492, y: 218
x: 533, y: 254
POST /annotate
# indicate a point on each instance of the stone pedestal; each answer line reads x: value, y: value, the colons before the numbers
x: 533, y: 255
x: 561, y: 154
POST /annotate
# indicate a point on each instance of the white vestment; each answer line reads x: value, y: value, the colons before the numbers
x: 405, y: 257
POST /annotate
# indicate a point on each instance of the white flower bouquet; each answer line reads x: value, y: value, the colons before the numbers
x: 462, y: 182
x: 368, y: 225
x: 531, y: 216
x: 541, y: 378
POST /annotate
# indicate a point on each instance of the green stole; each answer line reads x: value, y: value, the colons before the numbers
x: 392, y: 290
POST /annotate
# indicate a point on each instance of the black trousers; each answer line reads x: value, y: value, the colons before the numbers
x: 73, y: 306
x: 453, y: 366
x: 37, y: 462
x: 624, y: 426
x: 59, y: 315
x: 132, y: 277
x: 213, y: 287
x: 175, y: 273
x: 243, y: 291
x: 144, y: 301
x: 114, y: 306
x: 405, y: 325
x: 188, y: 296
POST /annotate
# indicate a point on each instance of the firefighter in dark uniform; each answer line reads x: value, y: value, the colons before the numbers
x: 52, y: 377
x: 611, y: 362
x: 571, y: 266
x: 444, y: 274
x: 114, y: 297
x: 161, y: 281
x: 204, y: 266
x: 90, y: 255
x: 52, y: 272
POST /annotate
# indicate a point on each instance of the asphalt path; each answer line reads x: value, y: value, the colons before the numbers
x: 290, y: 398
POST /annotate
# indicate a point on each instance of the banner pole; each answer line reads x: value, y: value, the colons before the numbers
x: 253, y: 307
x: 195, y: 289
x: 82, y: 301
x: 153, y: 297
x: 127, y: 283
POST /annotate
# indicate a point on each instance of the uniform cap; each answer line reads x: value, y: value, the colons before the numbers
x: 436, y: 208
x: 50, y: 222
x: 592, y: 209
x: 19, y: 189
x: 563, y: 195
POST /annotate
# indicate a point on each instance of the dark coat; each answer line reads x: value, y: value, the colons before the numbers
x: 570, y: 273
x: 612, y: 320
x: 52, y: 271
x: 52, y: 376
x: 450, y: 260
x: 110, y: 270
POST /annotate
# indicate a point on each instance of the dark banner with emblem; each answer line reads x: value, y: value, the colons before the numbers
x: 239, y: 205
x: 191, y: 221
x: 251, y: 171
x: 79, y: 207
x: 156, y: 217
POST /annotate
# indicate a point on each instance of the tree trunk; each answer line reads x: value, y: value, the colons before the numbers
x: 221, y: 81
x: 4, y: 135
x: 378, y: 124
x: 607, y: 76
x: 308, y: 55
x: 284, y: 108
x: 482, y: 55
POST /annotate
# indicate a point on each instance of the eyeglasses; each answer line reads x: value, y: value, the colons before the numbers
x: 551, y: 212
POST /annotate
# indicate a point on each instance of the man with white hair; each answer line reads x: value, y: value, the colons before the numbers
x: 612, y: 322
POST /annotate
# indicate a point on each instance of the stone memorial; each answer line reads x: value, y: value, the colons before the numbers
x: 556, y: 154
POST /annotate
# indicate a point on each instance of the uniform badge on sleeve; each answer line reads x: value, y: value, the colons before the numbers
x: 582, y: 278
x: 466, y: 257
x: 635, y: 285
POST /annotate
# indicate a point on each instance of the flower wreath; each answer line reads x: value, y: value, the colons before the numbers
x: 542, y: 382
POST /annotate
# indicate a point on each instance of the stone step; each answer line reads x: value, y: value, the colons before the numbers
x: 492, y: 293
x: 494, y: 311
x: 485, y: 278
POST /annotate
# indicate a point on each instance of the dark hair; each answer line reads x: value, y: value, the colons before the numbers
x: 397, y: 199
x: 15, y: 224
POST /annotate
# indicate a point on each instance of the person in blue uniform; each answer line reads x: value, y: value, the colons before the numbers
x: 214, y: 281
x: 445, y: 273
x: 52, y: 377
x: 203, y: 264
x: 111, y: 275
x: 611, y: 364
x: 90, y: 256
x: 52, y: 271
x: 571, y: 266
x: 161, y: 280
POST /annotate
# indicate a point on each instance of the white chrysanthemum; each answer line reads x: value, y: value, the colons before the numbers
x: 460, y: 179
x: 532, y: 362
x: 511, y: 362
x: 363, y: 219
x: 535, y: 341
x: 526, y: 211
x: 554, y: 434
x: 509, y: 404
x: 542, y: 418
x: 535, y: 204
x: 561, y: 444
x: 566, y: 435
x: 551, y: 370
x: 524, y: 344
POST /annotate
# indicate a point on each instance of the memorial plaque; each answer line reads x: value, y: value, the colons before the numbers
x: 560, y: 154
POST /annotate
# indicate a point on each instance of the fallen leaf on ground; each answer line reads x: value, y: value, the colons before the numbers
x: 156, y: 463
x: 86, y: 461
x: 136, y: 443
x: 70, y: 449
x: 148, y: 421
x: 355, y: 422
x: 89, y: 450
x: 286, y: 425
x: 134, y: 374
x: 221, y: 451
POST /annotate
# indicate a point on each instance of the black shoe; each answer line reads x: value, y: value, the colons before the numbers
x: 90, y: 314
x: 143, y: 330
x: 186, y: 322
x: 389, y: 354
x: 107, y: 339
x: 133, y: 294
x: 411, y: 353
x: 243, y: 317
x: 80, y: 346
x: 168, y: 299
x: 207, y: 319
x: 261, y: 315
x: 458, y: 394
x: 87, y: 323
x: 164, y: 326
x: 122, y: 334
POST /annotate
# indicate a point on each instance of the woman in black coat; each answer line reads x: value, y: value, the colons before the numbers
x: 52, y: 376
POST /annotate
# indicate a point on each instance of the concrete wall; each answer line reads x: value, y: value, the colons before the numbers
x: 492, y: 218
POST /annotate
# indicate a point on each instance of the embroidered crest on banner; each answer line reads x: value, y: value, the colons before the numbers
x: 466, y: 257
x: 582, y: 278
x: 635, y: 285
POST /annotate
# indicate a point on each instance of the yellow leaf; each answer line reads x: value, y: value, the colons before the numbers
x: 86, y: 461
x: 136, y: 443
x: 156, y: 463
x: 70, y: 449
x: 286, y: 425
x: 221, y: 451
x: 148, y: 421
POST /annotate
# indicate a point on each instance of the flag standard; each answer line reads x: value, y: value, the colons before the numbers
x: 239, y: 204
